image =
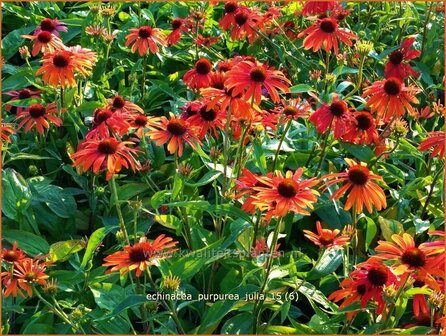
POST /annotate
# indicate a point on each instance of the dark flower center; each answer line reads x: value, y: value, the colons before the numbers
x: 364, y: 121
x: 258, y: 74
x: 30, y: 276
x: 47, y: 25
x: 288, y: 188
x: 414, y: 257
x: 145, y: 32
x: 44, y: 37
x: 60, y: 61
x: 36, y: 111
x: 289, y: 25
x: 241, y: 18
x: 210, y: 115
x: 396, y: 57
x: 138, y: 254
x: 392, y: 86
x: 102, y: 115
x: 361, y: 289
x: 141, y: 120
x: 176, y: 23
x: 338, y: 108
x: 290, y: 111
x: 418, y: 283
x: 118, y: 102
x: 24, y: 94
x: 10, y: 256
x: 108, y: 147
x: 325, y: 240
x: 328, y: 25
x: 176, y: 127
x: 230, y: 7
x: 190, y: 111
x: 378, y: 276
x: 358, y: 176
x: 203, y: 66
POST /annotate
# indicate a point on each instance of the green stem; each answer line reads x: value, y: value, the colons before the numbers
x: 431, y: 191
x: 385, y: 153
x: 241, y: 148
x: 269, y: 263
x: 143, y: 84
x: 142, y: 309
x: 115, y: 200
x: 324, y: 147
x: 61, y: 314
x: 169, y: 308
x: 428, y: 15
x: 287, y: 127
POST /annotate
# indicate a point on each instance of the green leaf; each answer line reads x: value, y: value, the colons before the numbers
x: 389, y: 227
x: 59, y: 200
x: 299, y: 88
x: 61, y: 251
x: 328, y: 263
x: 363, y: 153
x: 19, y: 80
x: 169, y: 221
x: 12, y: 41
x: 371, y: 231
x: 29, y: 242
x: 94, y: 241
x: 206, y: 179
x: 26, y: 156
x: 107, y: 295
x: 16, y: 194
x: 342, y: 70
x: 129, y: 190
x: 239, y: 324
x: 284, y: 330
x: 421, y: 225
x: 416, y: 331
x: 128, y: 302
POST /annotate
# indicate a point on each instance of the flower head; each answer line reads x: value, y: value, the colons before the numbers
x: 250, y: 77
x: 200, y: 76
x: 325, y: 237
x: 39, y: 117
x: 140, y: 256
x: 107, y: 154
x: 397, y: 65
x: 435, y: 141
x: 145, y: 39
x: 326, y: 33
x: 363, y: 190
x: 176, y: 131
x: 361, y: 129
x: 53, y: 26
x: 389, y: 98
x: 280, y: 194
x: 44, y: 42
x: 12, y: 255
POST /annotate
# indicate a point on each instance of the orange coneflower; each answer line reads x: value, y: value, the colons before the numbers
x: 336, y: 116
x: 281, y: 194
x: 361, y: 129
x: 200, y: 76
x: 364, y: 191
x: 250, y: 76
x: 173, y: 130
x: 435, y: 141
x: 396, y: 67
x: 325, y: 33
x: 319, y: 7
x: 107, y: 154
x: 390, y: 98
x: 38, y: 116
x: 106, y: 120
x: 293, y: 109
x: 119, y: 104
x: 85, y: 59
x: 228, y: 21
x: 145, y: 38
x: 139, y: 122
x: 96, y: 30
x: 408, y: 258
x: 366, y: 283
x: 44, y: 42
x: 191, y: 108
x: 208, y: 119
x: 247, y: 23
x: 261, y: 248
x: 19, y: 95
x: 140, y: 256
x: 178, y: 27
x: 206, y: 41
x: 59, y: 67
x: 13, y: 255
x: 53, y: 26
x: 244, y: 187
x: 26, y: 273
x: 326, y: 238
x: 5, y: 132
